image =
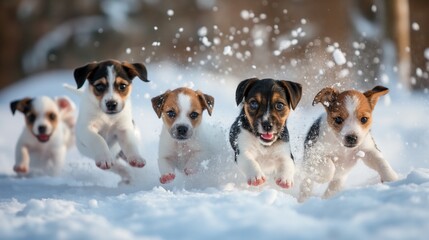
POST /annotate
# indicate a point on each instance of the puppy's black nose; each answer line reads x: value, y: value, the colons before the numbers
x: 42, y: 129
x: 351, y: 139
x: 267, y: 126
x: 182, y: 130
x: 111, y: 105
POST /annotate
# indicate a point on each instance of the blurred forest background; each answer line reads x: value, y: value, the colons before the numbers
x: 294, y: 39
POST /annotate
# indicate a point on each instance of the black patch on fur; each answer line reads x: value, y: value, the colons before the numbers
x: 313, y: 134
x: 242, y: 122
x: 239, y: 122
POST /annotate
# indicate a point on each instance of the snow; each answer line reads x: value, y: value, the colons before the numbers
x: 86, y: 203
x: 339, y: 57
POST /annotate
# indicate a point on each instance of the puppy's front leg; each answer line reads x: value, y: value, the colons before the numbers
x: 374, y: 159
x: 166, y: 169
x: 22, y: 159
x: 334, y: 186
x: 285, y: 173
x: 92, y: 145
x: 251, y: 169
x: 128, y: 143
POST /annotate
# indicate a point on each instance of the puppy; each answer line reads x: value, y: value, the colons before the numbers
x: 259, y: 135
x: 47, y: 136
x: 181, y: 142
x: 105, y: 129
x: 339, y: 138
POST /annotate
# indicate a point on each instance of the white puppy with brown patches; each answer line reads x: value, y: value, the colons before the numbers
x: 182, y: 142
x: 42, y: 146
x: 105, y: 130
x: 339, y: 138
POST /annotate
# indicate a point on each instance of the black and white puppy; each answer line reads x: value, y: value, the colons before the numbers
x: 105, y: 126
x: 259, y: 135
x: 49, y: 133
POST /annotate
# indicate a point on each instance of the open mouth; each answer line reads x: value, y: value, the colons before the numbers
x: 43, y: 137
x: 267, y: 137
x: 112, y: 112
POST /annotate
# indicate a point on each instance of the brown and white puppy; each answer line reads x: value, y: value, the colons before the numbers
x: 339, y: 138
x: 259, y: 135
x: 105, y: 126
x: 182, y: 142
x: 42, y: 146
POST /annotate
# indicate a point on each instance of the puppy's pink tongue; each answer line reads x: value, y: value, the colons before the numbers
x: 43, y: 137
x: 267, y: 136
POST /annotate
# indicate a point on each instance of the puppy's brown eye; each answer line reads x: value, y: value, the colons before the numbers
x: 364, y: 120
x: 52, y: 116
x: 194, y: 115
x: 338, y: 120
x: 100, y: 87
x: 279, y: 106
x: 31, y: 118
x: 171, y: 114
x: 254, y: 105
x: 122, y: 87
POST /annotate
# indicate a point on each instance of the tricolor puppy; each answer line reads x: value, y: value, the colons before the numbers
x: 259, y: 135
x: 339, y: 138
x: 42, y: 146
x: 182, y: 142
x: 105, y: 128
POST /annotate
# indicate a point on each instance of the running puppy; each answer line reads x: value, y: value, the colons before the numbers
x: 42, y: 146
x: 182, y: 142
x: 259, y: 135
x: 339, y: 138
x: 105, y: 129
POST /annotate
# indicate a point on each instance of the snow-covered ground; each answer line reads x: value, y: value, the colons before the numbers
x: 86, y: 203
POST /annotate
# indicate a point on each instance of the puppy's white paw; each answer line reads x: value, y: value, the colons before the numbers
x: 190, y: 171
x: 166, y: 178
x: 256, y: 181
x: 284, y: 183
x: 136, y: 161
x: 20, y: 169
x: 104, y: 164
x: 390, y: 176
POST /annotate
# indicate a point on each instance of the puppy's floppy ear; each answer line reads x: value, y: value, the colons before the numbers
x: 293, y: 92
x: 22, y: 105
x: 158, y: 103
x: 81, y: 74
x: 243, y: 89
x: 67, y: 109
x: 373, y: 94
x: 326, y: 96
x: 135, y: 70
x: 207, y: 101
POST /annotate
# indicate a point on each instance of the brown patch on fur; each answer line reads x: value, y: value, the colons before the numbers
x: 279, y: 117
x: 52, y: 117
x: 169, y: 102
x: 254, y: 115
x: 122, y: 93
x: 30, y: 117
x: 97, y: 94
x: 335, y: 106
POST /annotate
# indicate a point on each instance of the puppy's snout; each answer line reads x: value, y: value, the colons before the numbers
x: 182, y: 130
x: 267, y: 126
x: 351, y: 140
x: 111, y: 105
x: 42, y: 129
